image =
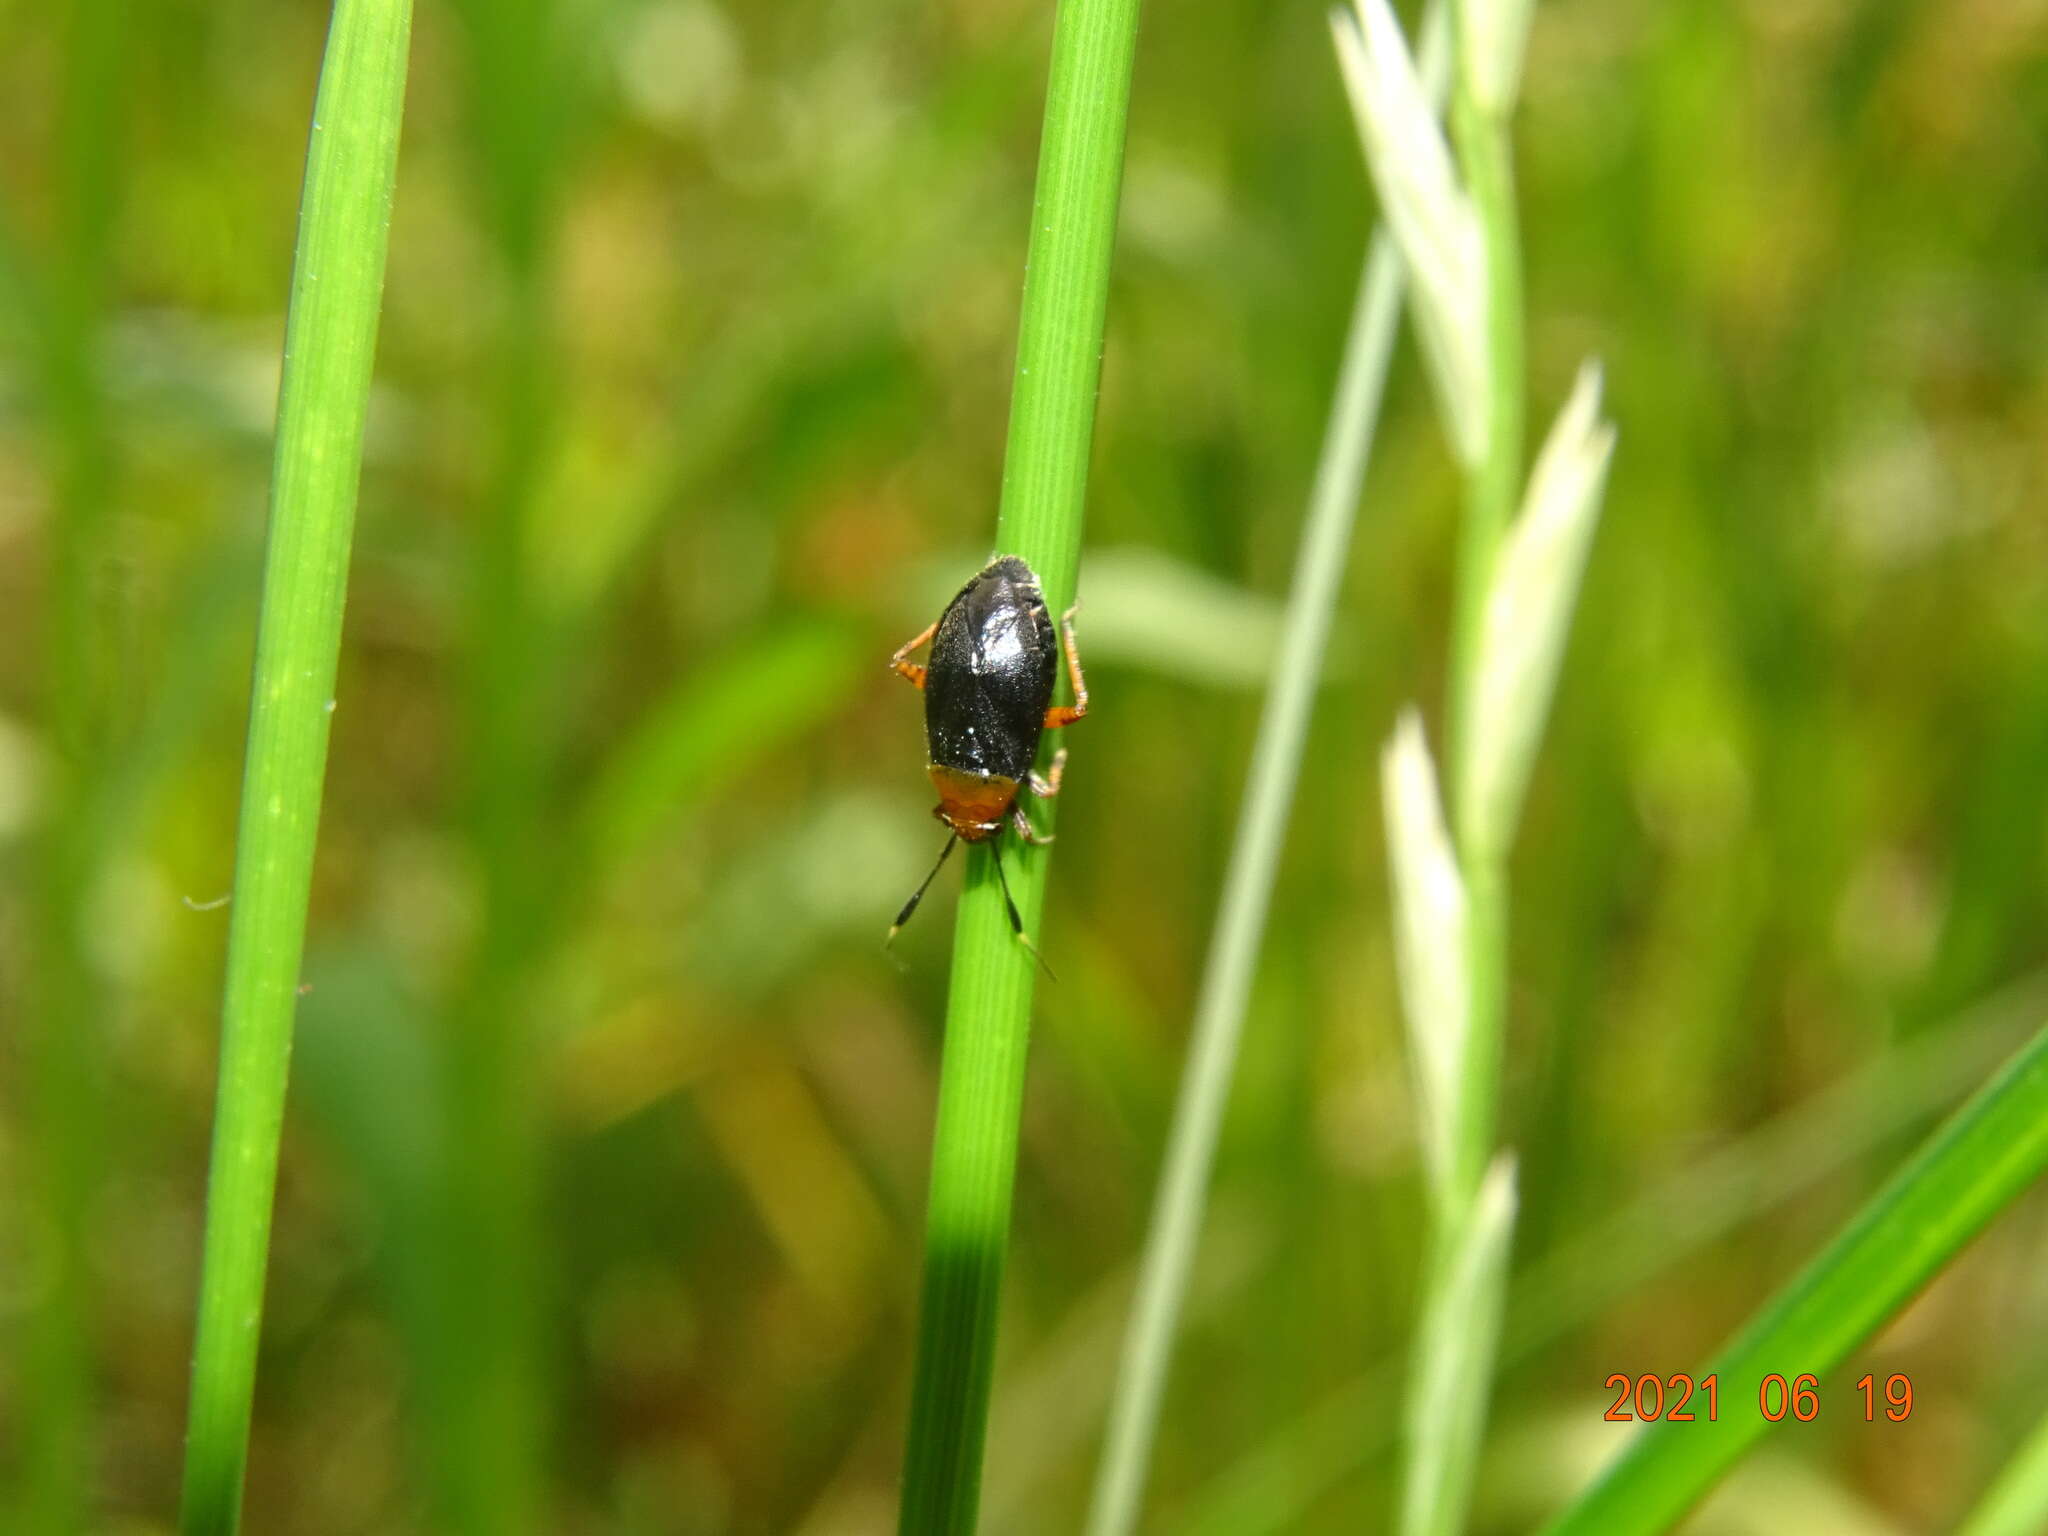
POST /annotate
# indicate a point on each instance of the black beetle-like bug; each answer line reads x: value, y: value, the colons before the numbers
x: 987, y: 699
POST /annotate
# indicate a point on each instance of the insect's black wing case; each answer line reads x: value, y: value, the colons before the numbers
x: 991, y: 677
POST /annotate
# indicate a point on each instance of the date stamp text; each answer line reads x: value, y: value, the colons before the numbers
x: 1681, y: 1400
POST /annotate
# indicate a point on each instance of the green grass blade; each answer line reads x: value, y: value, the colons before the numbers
x: 1045, y: 482
x: 2016, y: 1504
x: 1989, y: 1152
x: 330, y: 340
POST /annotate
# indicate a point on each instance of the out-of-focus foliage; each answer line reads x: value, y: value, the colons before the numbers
x: 692, y: 386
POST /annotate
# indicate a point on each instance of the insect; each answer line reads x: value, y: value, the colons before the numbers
x: 987, y: 699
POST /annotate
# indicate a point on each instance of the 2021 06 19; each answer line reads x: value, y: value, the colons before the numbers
x: 1682, y: 1399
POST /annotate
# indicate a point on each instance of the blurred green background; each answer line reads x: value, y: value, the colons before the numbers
x: 601, y: 1201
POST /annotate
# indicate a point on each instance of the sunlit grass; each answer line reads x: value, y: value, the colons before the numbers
x: 709, y: 309
x: 1045, y: 484
x: 330, y: 344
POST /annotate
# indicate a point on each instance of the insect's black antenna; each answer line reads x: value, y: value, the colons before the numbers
x: 916, y: 896
x: 1016, y: 922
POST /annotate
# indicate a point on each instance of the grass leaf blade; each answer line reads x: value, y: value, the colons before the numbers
x: 1987, y: 1153
x: 330, y: 342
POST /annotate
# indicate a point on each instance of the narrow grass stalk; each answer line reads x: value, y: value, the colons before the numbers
x: 1490, y: 494
x: 2016, y: 1504
x: 1045, y: 481
x: 330, y: 340
x: 1987, y: 1154
x: 1182, y: 1197
x: 1491, y: 488
x: 1451, y: 1374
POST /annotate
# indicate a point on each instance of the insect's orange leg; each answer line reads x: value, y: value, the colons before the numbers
x: 901, y: 663
x: 1067, y: 714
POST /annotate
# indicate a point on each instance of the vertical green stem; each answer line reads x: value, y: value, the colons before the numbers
x: 1486, y: 947
x: 330, y: 340
x: 1486, y: 157
x: 1436, y: 1492
x: 1491, y: 493
x: 1045, y: 481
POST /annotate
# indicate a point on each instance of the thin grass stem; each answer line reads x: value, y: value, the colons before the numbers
x: 330, y: 342
x: 1045, y: 481
x: 1449, y: 1379
x: 1486, y: 156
